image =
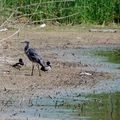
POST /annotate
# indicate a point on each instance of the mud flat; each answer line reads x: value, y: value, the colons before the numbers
x: 65, y: 92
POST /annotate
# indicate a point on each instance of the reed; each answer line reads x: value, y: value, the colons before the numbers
x: 68, y: 11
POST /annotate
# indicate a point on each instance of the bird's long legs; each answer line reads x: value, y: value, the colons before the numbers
x: 32, y: 69
x: 39, y: 70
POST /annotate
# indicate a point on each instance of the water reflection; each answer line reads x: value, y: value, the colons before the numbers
x: 84, y: 107
x: 102, y: 107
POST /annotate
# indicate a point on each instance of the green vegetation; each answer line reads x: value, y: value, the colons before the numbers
x: 103, y: 106
x: 66, y: 11
x: 113, y: 56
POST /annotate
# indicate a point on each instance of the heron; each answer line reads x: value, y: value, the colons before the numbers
x: 19, y: 64
x: 34, y: 57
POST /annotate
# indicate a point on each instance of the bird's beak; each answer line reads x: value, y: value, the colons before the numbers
x: 22, y: 42
x: 25, y: 42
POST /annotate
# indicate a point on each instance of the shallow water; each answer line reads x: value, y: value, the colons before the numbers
x: 86, y: 55
x: 112, y: 55
x: 72, y: 107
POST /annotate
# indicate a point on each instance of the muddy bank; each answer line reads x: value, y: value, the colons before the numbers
x: 74, y: 72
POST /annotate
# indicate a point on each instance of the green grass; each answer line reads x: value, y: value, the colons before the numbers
x: 68, y: 11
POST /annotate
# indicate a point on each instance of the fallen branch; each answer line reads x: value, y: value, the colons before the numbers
x: 103, y: 30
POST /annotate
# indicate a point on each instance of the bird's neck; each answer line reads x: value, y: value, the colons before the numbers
x: 26, y: 47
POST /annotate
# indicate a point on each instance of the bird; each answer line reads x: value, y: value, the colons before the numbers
x: 19, y: 64
x: 34, y: 57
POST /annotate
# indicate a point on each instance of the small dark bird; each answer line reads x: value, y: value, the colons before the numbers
x: 19, y: 64
x: 34, y: 57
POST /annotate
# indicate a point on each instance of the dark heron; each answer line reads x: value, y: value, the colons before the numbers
x: 19, y: 64
x: 34, y: 57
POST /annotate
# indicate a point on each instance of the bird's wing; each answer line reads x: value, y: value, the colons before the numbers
x: 35, y: 57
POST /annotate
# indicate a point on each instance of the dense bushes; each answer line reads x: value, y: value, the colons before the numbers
x: 68, y: 11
